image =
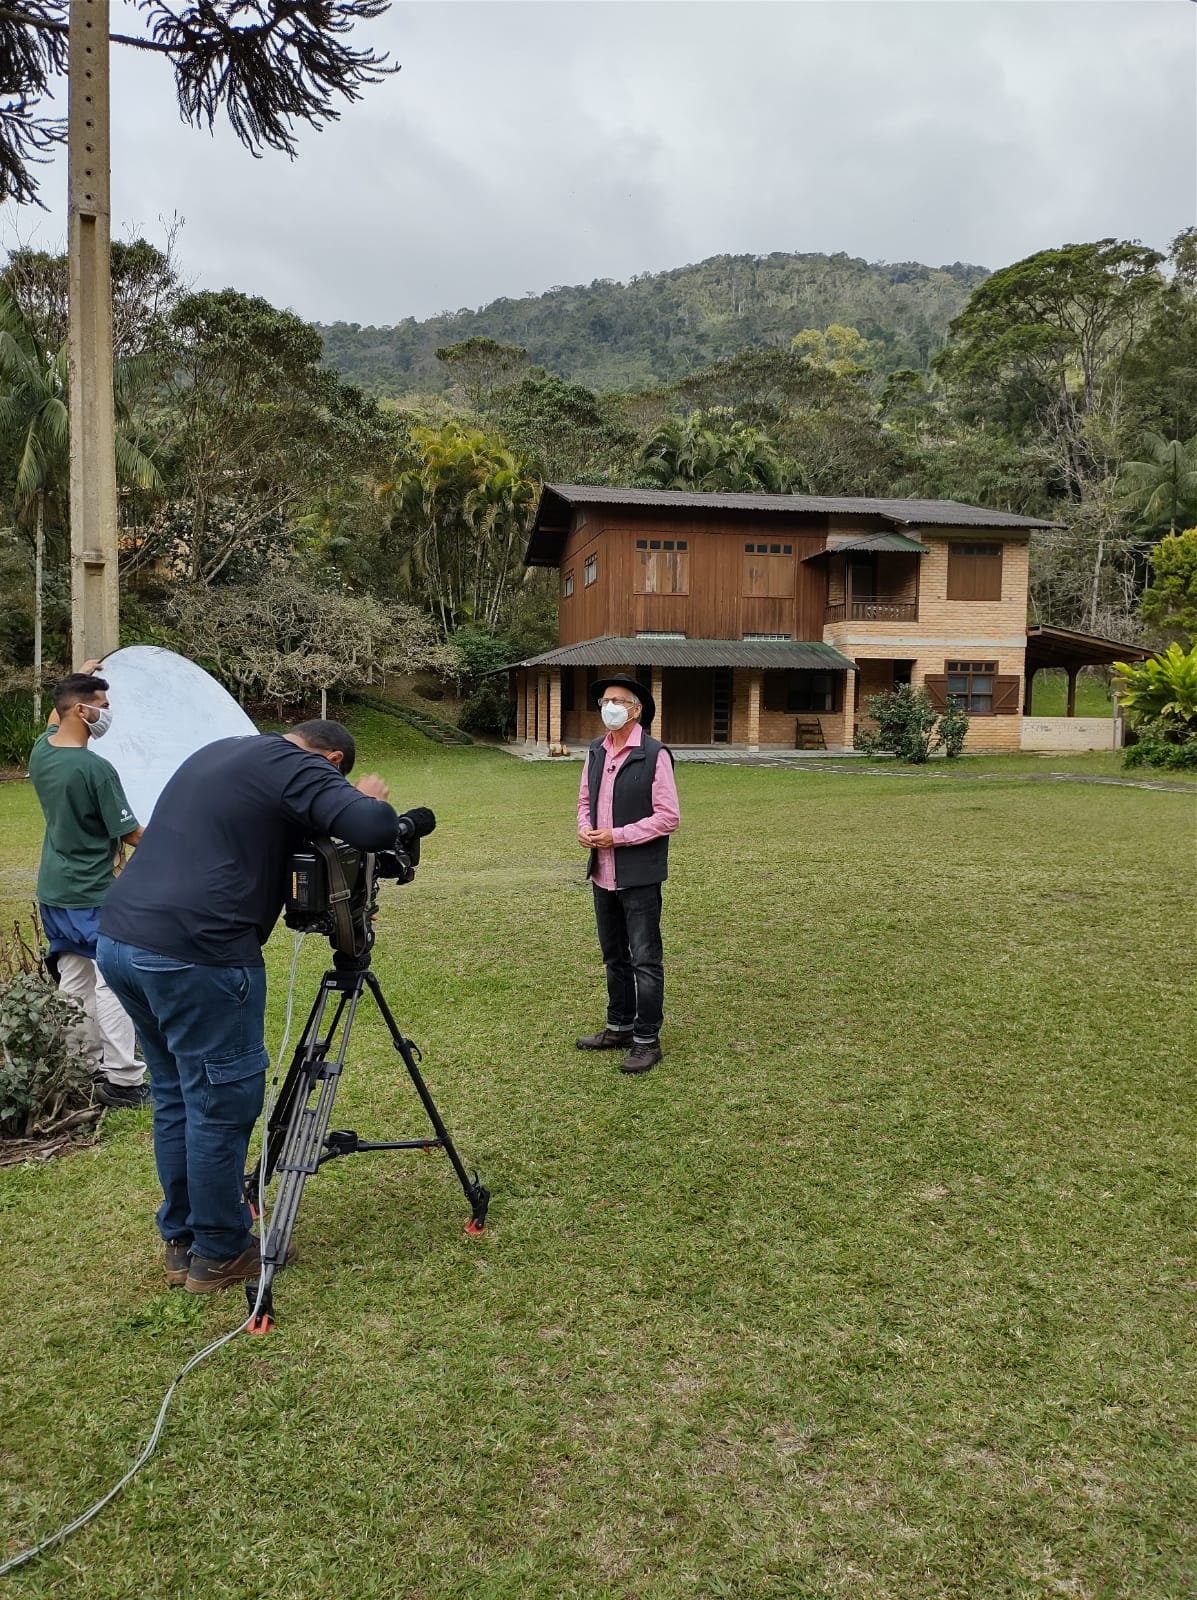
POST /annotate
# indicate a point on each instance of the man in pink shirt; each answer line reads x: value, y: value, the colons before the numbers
x: 627, y: 808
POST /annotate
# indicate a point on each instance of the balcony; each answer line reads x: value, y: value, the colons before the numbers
x: 873, y: 611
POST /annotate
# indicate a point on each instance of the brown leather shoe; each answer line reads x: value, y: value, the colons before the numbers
x: 609, y: 1039
x: 203, y: 1276
x: 178, y: 1262
x: 642, y: 1057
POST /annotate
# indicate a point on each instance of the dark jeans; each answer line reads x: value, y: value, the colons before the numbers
x: 203, y: 1033
x: 629, y: 934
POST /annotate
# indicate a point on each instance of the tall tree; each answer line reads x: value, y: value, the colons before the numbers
x: 708, y: 452
x: 480, y: 366
x: 252, y: 427
x: 267, y: 65
x: 1042, y: 345
x: 462, y: 507
x: 35, y: 430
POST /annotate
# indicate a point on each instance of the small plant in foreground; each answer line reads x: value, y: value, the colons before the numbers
x: 43, y: 1073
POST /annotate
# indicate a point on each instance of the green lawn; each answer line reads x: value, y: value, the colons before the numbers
x: 881, y: 1286
x: 1049, y: 695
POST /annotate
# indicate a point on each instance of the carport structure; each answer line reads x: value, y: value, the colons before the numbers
x: 1061, y: 647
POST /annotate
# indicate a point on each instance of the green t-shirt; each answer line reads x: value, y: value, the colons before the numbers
x: 86, y: 815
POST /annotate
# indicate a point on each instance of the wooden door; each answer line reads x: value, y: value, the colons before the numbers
x: 688, y: 696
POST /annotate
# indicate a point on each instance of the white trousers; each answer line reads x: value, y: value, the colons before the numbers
x: 106, y: 1032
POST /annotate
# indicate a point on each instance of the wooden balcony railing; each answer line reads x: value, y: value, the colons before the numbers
x: 873, y: 611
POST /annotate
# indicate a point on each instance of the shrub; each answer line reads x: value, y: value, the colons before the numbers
x: 42, y: 1069
x: 909, y: 727
x: 953, y: 725
x: 1161, y: 689
x: 1161, y: 744
x: 489, y: 709
x: 17, y: 731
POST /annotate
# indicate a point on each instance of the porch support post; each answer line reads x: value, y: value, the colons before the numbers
x: 1027, y: 690
x: 542, y: 708
x: 658, y: 679
x: 1072, y: 671
x: 754, y: 709
x: 521, y: 706
x: 555, y: 708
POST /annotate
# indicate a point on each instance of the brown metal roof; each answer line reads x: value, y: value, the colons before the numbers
x: 1062, y: 647
x: 775, y: 654
x: 557, y: 501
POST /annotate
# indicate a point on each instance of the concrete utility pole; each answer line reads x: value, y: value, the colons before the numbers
x: 95, y: 615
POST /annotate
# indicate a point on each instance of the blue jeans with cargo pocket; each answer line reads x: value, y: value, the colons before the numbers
x: 202, y: 1030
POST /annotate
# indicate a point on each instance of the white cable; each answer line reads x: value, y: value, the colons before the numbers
x: 201, y: 1355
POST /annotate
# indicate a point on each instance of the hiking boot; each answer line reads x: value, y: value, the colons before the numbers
x: 609, y: 1039
x: 178, y: 1262
x: 642, y: 1057
x: 203, y: 1276
x: 121, y: 1096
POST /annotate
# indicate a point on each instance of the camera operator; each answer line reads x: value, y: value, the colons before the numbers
x: 181, y: 936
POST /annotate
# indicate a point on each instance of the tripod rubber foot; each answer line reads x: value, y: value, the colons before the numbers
x: 261, y: 1317
x: 474, y: 1227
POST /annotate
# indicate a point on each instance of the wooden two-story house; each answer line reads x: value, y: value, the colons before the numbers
x: 768, y: 620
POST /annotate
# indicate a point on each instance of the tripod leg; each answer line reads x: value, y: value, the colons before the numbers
x: 475, y: 1192
x: 296, y: 1137
x: 311, y: 1048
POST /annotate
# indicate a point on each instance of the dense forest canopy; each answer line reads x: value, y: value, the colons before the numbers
x: 660, y: 326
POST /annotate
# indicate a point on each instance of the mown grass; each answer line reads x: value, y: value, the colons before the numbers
x: 880, y: 1286
x: 1049, y: 695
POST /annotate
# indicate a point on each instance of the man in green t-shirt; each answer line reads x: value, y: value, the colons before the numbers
x: 87, y: 820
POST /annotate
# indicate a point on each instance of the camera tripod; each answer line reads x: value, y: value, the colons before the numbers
x: 297, y: 1142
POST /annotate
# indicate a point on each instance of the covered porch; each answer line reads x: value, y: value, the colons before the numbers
x: 1066, y: 649
x: 710, y: 693
x: 1060, y: 647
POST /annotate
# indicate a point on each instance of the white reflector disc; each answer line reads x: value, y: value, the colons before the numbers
x: 164, y: 709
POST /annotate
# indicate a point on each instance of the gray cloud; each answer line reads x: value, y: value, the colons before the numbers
x: 525, y: 145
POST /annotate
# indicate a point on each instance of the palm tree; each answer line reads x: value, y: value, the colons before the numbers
x: 35, y: 426
x: 692, y: 453
x: 463, y: 503
x: 1163, y: 489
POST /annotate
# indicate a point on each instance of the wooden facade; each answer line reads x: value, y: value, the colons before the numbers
x: 729, y: 593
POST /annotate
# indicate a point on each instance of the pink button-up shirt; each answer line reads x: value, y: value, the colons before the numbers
x: 665, y: 814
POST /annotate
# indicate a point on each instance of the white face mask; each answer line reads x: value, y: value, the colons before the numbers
x: 103, y: 722
x: 613, y: 714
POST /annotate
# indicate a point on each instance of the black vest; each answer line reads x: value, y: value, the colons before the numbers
x: 631, y: 801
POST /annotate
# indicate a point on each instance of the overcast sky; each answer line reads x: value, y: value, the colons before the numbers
x: 527, y: 145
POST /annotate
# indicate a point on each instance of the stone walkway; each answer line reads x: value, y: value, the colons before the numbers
x: 812, y: 763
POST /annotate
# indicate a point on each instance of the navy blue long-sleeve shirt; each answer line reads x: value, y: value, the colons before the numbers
x: 207, y: 882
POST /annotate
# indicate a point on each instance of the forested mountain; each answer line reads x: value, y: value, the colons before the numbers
x: 660, y: 326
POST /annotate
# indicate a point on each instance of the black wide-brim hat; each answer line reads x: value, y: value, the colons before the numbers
x: 648, y: 706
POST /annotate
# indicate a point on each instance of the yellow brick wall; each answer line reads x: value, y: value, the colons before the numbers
x: 777, y: 728
x: 949, y: 629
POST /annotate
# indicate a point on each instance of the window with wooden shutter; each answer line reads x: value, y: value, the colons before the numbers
x: 936, y: 685
x: 768, y: 575
x: 974, y: 571
x: 974, y: 687
x: 664, y: 570
x: 1006, y: 697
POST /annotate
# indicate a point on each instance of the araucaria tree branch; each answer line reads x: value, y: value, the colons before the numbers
x: 267, y: 65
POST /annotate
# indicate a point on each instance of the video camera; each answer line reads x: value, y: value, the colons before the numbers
x: 332, y: 887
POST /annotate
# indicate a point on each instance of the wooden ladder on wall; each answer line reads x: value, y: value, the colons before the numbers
x: 808, y: 734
